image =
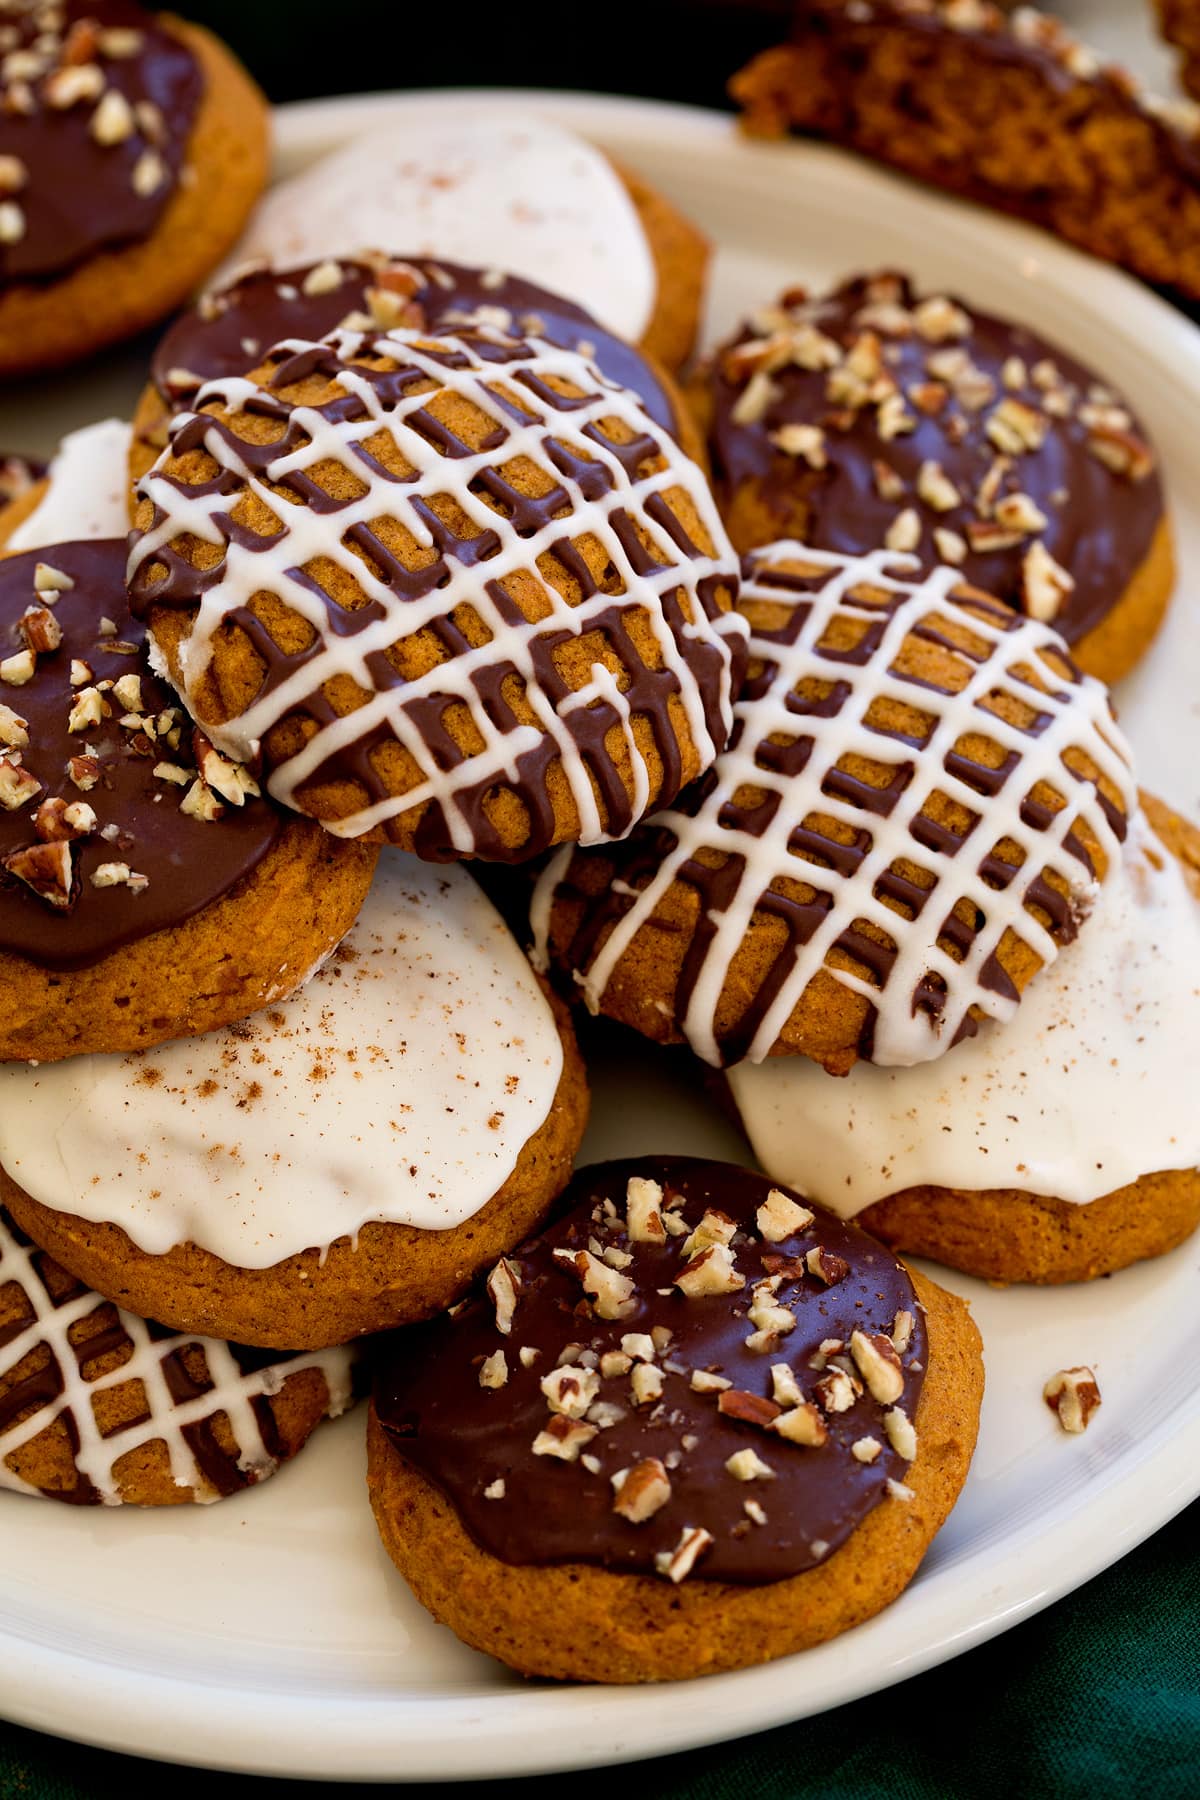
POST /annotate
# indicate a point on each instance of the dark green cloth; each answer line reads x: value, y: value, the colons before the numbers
x: 1097, y: 1697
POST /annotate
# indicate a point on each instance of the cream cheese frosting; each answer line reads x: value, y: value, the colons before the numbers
x: 87, y: 490
x: 1091, y: 1085
x: 400, y: 1085
x: 521, y: 195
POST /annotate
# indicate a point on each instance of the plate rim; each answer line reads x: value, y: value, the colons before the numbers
x: 359, y: 1737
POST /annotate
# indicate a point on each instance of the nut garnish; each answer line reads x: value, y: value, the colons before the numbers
x: 865, y: 1449
x: 902, y: 1435
x: 877, y: 1362
x: 47, y: 869
x: 503, y: 1286
x: 780, y: 1217
x: 610, y: 1292
x: 748, y: 1465
x: 826, y: 1266
x: 712, y: 1272
x: 563, y: 1437
x: 678, y: 1563
x: 803, y: 1425
x: 643, y: 1490
x: 751, y: 1409
x: 1045, y: 584
x: 493, y: 1372
x: 1074, y: 1394
x: 643, y: 1202
x: 570, y: 1390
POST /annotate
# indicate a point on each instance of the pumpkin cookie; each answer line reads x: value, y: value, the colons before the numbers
x: 460, y: 592
x: 146, y: 891
x: 132, y: 147
x: 98, y: 1408
x: 1013, y: 112
x: 692, y: 1427
x: 514, y: 194
x: 871, y: 416
x: 265, y: 306
x: 1179, y: 22
x: 83, y: 494
x: 1057, y: 1148
x: 917, y: 808
x: 339, y: 1164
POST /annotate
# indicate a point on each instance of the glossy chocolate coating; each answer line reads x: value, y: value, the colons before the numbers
x: 229, y: 332
x: 463, y: 1436
x: 1100, y: 524
x: 188, y: 862
x: 78, y: 196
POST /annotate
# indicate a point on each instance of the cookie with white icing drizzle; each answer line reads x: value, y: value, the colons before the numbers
x: 1067, y: 1145
x: 460, y: 592
x: 916, y: 810
x: 98, y: 1408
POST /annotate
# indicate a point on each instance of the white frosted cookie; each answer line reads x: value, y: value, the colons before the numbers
x: 86, y: 493
x: 419, y: 1079
x: 487, y: 189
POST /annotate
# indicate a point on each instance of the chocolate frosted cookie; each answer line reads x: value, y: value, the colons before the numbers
x: 460, y: 592
x: 691, y: 1388
x: 1058, y: 1148
x: 132, y: 147
x: 214, y: 338
x: 918, y: 806
x: 342, y: 1162
x: 871, y: 416
x: 98, y: 1408
x: 146, y: 889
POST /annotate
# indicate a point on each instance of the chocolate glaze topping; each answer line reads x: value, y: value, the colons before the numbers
x: 187, y: 861
x: 434, y: 1401
x: 957, y: 384
x: 229, y: 330
x: 97, y: 102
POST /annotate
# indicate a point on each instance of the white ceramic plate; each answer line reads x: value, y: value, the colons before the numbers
x: 270, y: 1633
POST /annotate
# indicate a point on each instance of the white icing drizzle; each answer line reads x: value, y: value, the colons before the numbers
x: 232, y: 1391
x: 1091, y: 1086
x: 400, y: 1085
x: 87, y: 492
x: 1079, y: 716
x: 275, y: 564
x: 521, y: 195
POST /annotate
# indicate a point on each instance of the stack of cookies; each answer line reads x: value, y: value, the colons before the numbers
x: 795, y: 767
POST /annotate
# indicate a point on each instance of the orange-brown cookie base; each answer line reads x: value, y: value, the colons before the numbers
x: 251, y: 947
x: 119, y: 292
x: 1004, y: 1235
x: 681, y: 256
x: 395, y: 1274
x: 577, y: 1622
x: 1011, y: 119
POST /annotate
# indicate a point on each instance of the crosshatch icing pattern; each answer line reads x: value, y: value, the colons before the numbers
x: 54, y: 1337
x: 782, y: 827
x: 668, y: 650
